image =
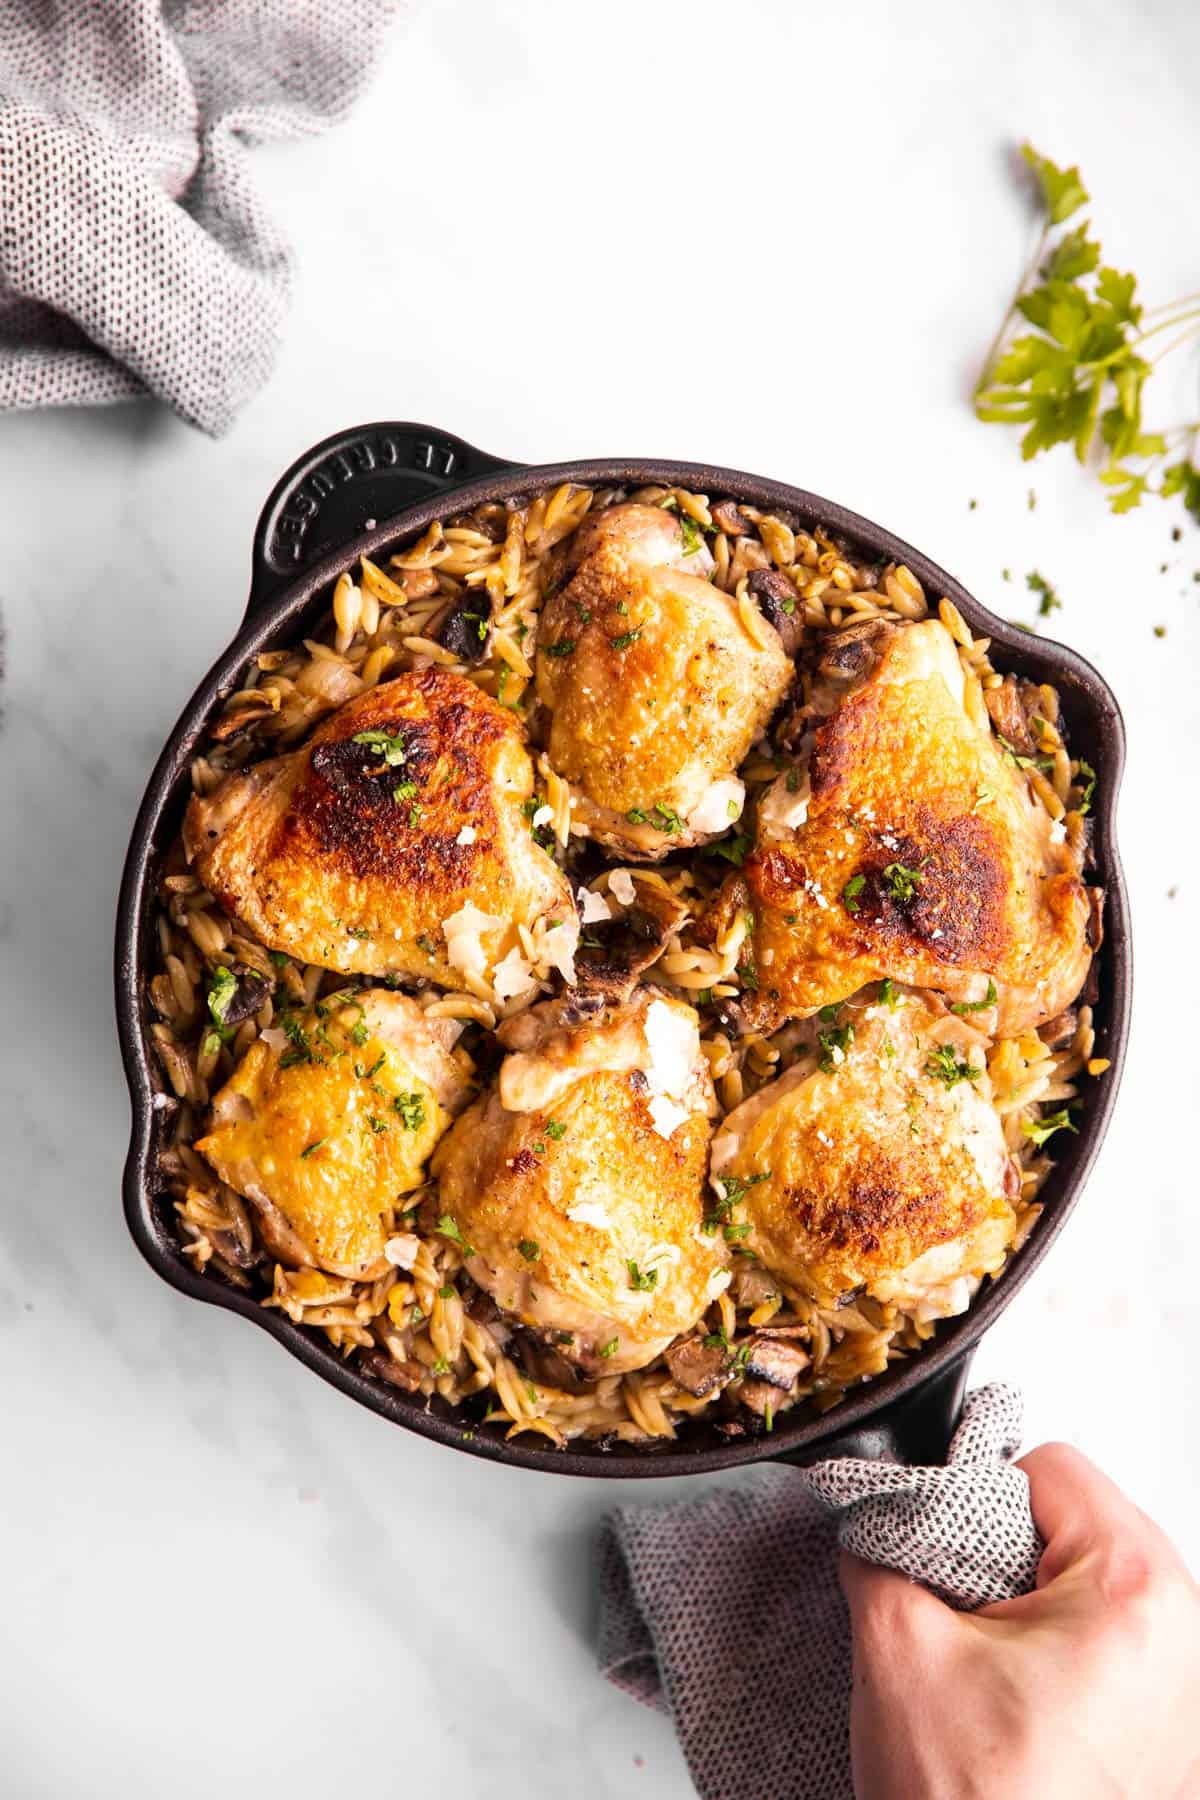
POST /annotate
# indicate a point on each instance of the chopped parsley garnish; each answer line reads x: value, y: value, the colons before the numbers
x: 792, y: 783
x: 827, y: 1014
x: 411, y: 1108
x: 735, y: 1188
x: 449, y: 1229
x: 949, y: 1068
x: 425, y: 942
x: 529, y: 1250
x: 734, y: 849
x: 448, y: 1292
x: 626, y: 638
x: 889, y: 994
x: 358, y: 931
x: 441, y: 1367
x: 749, y: 975
x: 539, y: 1149
x: 1044, y: 763
x: 636, y: 816
x: 733, y: 1233
x: 641, y: 1280
x: 564, y: 647
x: 901, y: 883
x: 301, y: 1050
x: 221, y: 990
x: 1089, y: 787
x: 1040, y: 1130
x: 386, y: 744
x: 671, y: 821
x: 1048, y: 600
x: 278, y: 958
x: 693, y: 538
x: 404, y: 792
x: 585, y: 613
x: 377, y: 1125
x: 413, y: 816
x: 359, y: 1034
x: 972, y: 1006
x: 834, y: 1045
x: 716, y: 1340
x: 851, y: 891
x: 611, y: 1348
x: 555, y: 1129
x: 315, y: 1145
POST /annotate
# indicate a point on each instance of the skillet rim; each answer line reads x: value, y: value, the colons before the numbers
x: 1087, y: 698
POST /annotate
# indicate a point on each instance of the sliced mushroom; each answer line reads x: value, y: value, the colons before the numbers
x: 698, y: 1366
x: 775, y: 1360
x: 729, y: 518
x: 465, y: 629
x: 1010, y: 707
x: 252, y: 989
x: 1058, y: 1032
x: 247, y: 712
x: 406, y: 1375
x: 613, y: 953
x: 418, y: 584
x: 779, y: 602
x: 849, y: 653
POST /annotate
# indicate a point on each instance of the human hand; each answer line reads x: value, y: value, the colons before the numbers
x: 1090, y: 1686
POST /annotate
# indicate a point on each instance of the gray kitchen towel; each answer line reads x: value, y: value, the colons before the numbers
x: 726, y: 1611
x: 135, y: 255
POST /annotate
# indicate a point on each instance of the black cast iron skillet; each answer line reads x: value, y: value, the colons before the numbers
x: 372, y: 490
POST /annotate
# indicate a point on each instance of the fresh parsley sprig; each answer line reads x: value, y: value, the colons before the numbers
x: 1077, y: 377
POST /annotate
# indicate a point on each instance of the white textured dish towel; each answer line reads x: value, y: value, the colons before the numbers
x: 135, y: 255
x: 726, y: 1612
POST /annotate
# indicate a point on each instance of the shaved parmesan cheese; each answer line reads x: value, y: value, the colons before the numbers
x: 464, y: 932
x: 593, y: 907
x: 467, y: 835
x: 590, y: 1212
x: 719, y: 807
x: 513, y: 976
x: 673, y: 1042
x: 556, y: 941
x: 718, y: 1281
x: 1058, y: 832
x: 274, y: 1038
x: 781, y: 810
x: 665, y: 1115
x: 621, y: 887
x: 401, y: 1251
x: 543, y: 816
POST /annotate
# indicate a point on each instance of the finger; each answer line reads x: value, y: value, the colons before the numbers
x: 884, y: 1604
x: 1078, y: 1509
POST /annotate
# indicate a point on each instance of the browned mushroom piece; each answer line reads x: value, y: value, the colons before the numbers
x: 1058, y: 1032
x: 749, y: 554
x: 776, y: 1360
x: 699, y: 1366
x: 778, y: 602
x: 246, y: 712
x: 848, y: 654
x: 465, y: 628
x: 1011, y: 707
x: 614, y: 952
x: 406, y: 1375
x: 728, y: 517
x: 418, y: 584
x: 248, y: 996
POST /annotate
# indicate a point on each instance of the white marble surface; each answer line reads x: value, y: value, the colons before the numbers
x: 780, y: 243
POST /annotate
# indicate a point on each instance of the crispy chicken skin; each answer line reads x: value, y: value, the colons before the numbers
x: 873, y: 1172
x: 351, y: 855
x: 654, y: 689
x: 584, y: 1220
x: 906, y: 843
x: 324, y: 1126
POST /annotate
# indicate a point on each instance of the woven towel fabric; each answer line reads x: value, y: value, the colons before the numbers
x: 727, y: 1613
x: 135, y: 255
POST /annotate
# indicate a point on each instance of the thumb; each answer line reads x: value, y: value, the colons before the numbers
x: 887, y: 1605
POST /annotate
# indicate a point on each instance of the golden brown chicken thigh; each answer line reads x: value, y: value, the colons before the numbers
x: 329, y: 1118
x: 578, y: 1180
x: 906, y: 843
x: 654, y: 687
x: 876, y: 1162
x: 393, y: 842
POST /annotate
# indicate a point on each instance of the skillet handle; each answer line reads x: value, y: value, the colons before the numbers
x: 915, y: 1430
x: 341, y: 487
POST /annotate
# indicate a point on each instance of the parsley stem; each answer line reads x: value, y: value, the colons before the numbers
x: 1183, y: 338
x: 997, y: 343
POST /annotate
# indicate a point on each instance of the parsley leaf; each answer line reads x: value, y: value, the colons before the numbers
x: 529, y: 1250
x: 388, y: 745
x: 692, y: 535
x: 641, y: 1280
x: 1041, y: 1130
x: 221, y: 989
x: 889, y: 993
x: 315, y: 1145
x: 411, y: 1108
x: 449, y: 1229
x: 901, y: 883
x: 555, y: 1129
x: 734, y: 848
x: 945, y: 1066
x: 973, y: 1006
x: 1089, y: 786
x: 626, y: 638
x: 564, y: 647
x: 671, y: 821
x: 1048, y: 601
x: 611, y: 1348
x: 835, y: 1045
x: 851, y: 891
